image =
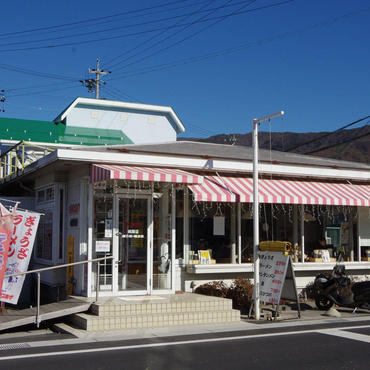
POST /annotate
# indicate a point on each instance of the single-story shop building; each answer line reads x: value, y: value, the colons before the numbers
x: 174, y: 214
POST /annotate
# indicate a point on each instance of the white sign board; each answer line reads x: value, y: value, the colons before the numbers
x: 218, y: 225
x: 325, y: 255
x: 102, y: 246
x: 20, y: 250
x: 273, y: 266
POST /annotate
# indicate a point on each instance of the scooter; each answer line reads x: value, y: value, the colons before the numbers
x: 328, y: 291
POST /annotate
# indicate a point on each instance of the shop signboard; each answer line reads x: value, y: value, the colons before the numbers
x: 277, y: 280
x: 273, y: 267
x: 19, y: 254
x: 6, y: 226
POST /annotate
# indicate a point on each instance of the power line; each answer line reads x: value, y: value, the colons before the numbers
x: 36, y: 73
x: 140, y: 15
x: 43, y: 91
x: 327, y: 134
x: 76, y: 35
x: 30, y: 87
x: 142, y: 32
x: 120, y: 93
x: 222, y: 18
x: 238, y: 48
x: 155, y: 36
x: 27, y: 31
x: 336, y: 144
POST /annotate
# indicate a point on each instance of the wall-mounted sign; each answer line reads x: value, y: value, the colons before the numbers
x: 102, y: 246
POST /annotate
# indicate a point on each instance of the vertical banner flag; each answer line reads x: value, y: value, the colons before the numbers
x: 20, y: 250
x: 6, y: 226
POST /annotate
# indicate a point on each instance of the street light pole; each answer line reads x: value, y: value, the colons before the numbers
x: 256, y: 238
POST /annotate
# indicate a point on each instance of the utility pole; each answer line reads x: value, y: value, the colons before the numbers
x: 94, y: 83
x: 256, y: 237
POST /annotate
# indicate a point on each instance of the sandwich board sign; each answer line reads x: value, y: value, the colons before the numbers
x: 277, y: 280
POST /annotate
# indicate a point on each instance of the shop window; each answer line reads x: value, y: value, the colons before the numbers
x: 49, y: 195
x: 44, y: 239
x: 50, y: 238
x: 210, y: 230
x: 45, y: 195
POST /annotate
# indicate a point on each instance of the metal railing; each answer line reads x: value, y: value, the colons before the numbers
x: 38, y: 272
x: 19, y: 156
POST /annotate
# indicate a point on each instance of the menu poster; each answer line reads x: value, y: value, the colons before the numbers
x: 273, y: 266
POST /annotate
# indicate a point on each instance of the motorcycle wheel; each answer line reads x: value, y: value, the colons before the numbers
x: 323, y: 302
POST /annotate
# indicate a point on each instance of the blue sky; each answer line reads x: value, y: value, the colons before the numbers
x: 308, y: 58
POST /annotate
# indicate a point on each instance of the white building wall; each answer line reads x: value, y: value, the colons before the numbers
x: 364, y: 226
x: 140, y: 127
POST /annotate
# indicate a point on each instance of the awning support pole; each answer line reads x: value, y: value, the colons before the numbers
x: 302, y: 232
x: 256, y: 275
x: 239, y: 232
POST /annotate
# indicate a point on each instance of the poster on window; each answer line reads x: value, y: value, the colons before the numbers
x: 20, y: 250
x: 218, y: 225
x: 6, y: 226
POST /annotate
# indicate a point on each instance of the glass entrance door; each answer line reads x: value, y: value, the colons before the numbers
x: 133, y: 244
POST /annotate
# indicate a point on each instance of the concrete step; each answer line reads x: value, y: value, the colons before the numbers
x: 154, y: 320
x: 117, y: 309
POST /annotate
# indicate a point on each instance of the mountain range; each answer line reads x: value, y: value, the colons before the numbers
x: 349, y: 145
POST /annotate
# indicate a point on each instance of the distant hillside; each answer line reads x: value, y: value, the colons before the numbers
x: 349, y: 145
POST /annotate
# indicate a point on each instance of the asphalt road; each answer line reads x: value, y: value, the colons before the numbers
x: 306, y: 348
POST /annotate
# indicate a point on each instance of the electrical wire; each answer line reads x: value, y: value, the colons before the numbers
x: 235, y: 49
x: 30, y: 87
x: 328, y: 134
x: 126, y: 17
x: 82, y: 42
x: 153, y: 37
x: 32, y: 72
x: 76, y: 35
x: 116, y: 93
x: 43, y: 91
x: 341, y: 143
x: 190, y: 36
x: 48, y: 28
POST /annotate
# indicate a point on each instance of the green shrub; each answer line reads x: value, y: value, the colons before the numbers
x: 240, y: 292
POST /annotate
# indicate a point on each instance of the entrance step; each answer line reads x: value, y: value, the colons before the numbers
x: 155, y: 312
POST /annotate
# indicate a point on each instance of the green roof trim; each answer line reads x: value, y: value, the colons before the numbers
x: 49, y: 132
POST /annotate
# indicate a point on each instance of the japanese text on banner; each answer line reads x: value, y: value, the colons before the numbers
x: 20, y: 250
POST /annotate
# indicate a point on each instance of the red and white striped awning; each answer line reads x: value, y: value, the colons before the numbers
x: 240, y: 189
x: 101, y: 172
